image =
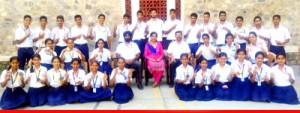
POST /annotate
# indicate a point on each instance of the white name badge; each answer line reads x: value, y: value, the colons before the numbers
x: 206, y: 88
x: 75, y: 88
x: 101, y: 63
x: 242, y: 79
x: 94, y: 90
x: 259, y: 83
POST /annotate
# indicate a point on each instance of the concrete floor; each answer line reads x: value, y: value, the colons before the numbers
x: 163, y: 97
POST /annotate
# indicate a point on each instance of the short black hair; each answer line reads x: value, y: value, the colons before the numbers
x: 77, y: 16
x: 241, y: 50
x: 76, y: 59
x: 239, y: 17
x: 256, y: 17
x: 60, y: 17
x: 27, y: 16
x: 48, y: 39
x: 178, y: 32
x: 172, y: 10
x: 139, y: 11
x: 194, y: 15
x: 207, y: 13
x: 278, y: 16
x: 152, y: 9
x: 101, y: 15
x: 280, y: 54
x: 222, y: 54
x: 222, y: 12
x: 184, y: 55
x: 43, y: 17
x: 126, y: 15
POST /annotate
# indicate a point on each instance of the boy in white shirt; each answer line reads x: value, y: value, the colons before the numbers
x: 60, y: 34
x: 139, y: 33
x: 261, y: 31
x: 171, y: 26
x: 242, y: 33
x: 154, y: 25
x: 41, y: 33
x: 125, y: 26
x: 222, y: 28
x: 101, y: 31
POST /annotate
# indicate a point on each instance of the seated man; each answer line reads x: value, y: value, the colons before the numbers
x: 131, y: 53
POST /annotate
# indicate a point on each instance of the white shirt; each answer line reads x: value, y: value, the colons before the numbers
x: 76, y: 77
x: 83, y: 30
x: 243, y: 32
x: 262, y: 31
x: 262, y: 72
x: 102, y: 56
x: 170, y: 23
x: 15, y: 79
x: 70, y: 54
x: 40, y: 74
x: 177, y: 49
x: 200, y: 74
x: 121, y: 77
x: 223, y: 73
x: 155, y: 26
x: 121, y: 29
x: 182, y: 73
x: 281, y: 77
x: 193, y: 35
x: 54, y: 77
x: 128, y: 51
x: 139, y: 33
x: 254, y: 49
x: 206, y: 51
x: 102, y: 32
x: 96, y: 82
x: 37, y: 32
x: 242, y: 68
x: 206, y: 28
x: 222, y: 32
x: 279, y: 34
x: 20, y: 33
x: 46, y: 58
x: 59, y: 34
x: 230, y: 51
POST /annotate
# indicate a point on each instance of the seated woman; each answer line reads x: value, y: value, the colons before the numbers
x: 154, y: 54
x: 95, y: 85
x: 207, y: 51
x: 283, y: 77
x: 46, y: 54
x: 69, y: 53
x: 254, y: 46
x: 121, y: 80
x: 184, y: 77
x: 229, y: 48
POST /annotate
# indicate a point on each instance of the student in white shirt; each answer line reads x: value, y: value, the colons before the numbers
x: 69, y: 53
x: 260, y: 78
x: 80, y: 35
x: 125, y: 26
x: 207, y: 51
x: 241, y: 32
x: 76, y: 78
x: 121, y: 79
x: 47, y: 54
x: 130, y: 51
x: 139, y: 34
x: 279, y: 36
x: 283, y: 77
x: 204, y: 80
x: 101, y: 31
x: 254, y: 46
x: 12, y: 79
x: 185, y: 74
x: 229, y: 48
x: 262, y: 33
x: 154, y: 25
x: 222, y: 28
x: 60, y: 34
x: 24, y: 36
x: 206, y: 28
x: 56, y: 79
x: 171, y: 26
x: 42, y: 33
x: 36, y: 77
x: 175, y: 49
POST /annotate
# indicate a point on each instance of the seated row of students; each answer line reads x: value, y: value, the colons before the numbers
x: 57, y: 86
x: 241, y: 81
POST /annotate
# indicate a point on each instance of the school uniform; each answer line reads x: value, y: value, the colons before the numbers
x: 262, y: 31
x: 169, y: 24
x: 74, y: 89
x: 223, y: 73
x: 122, y: 92
x: 101, y: 32
x: 103, y: 58
x: 207, y: 54
x: 68, y: 56
x: 278, y: 34
x: 139, y: 37
x: 242, y: 32
x: 155, y: 26
x: 46, y: 58
x: 283, y: 91
x: 206, y: 28
x: 60, y: 34
x: 176, y: 50
x: 253, y: 49
x: 192, y: 38
x: 96, y: 92
x: 241, y: 86
x: 81, y: 43
x: 37, y: 91
x: 184, y: 91
x: 121, y: 29
x: 41, y: 42
x: 221, y: 32
x: 56, y: 93
x: 261, y: 91
x: 25, y: 50
x: 230, y: 51
x: 204, y: 93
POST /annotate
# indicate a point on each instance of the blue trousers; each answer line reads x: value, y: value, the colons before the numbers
x: 84, y: 50
x: 58, y: 49
x: 141, y: 44
x: 24, y: 55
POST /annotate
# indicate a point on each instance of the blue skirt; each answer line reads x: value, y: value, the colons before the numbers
x: 220, y: 93
x: 37, y: 96
x: 68, y: 66
x: 285, y: 95
x: 105, y: 67
x: 261, y: 93
x: 204, y: 95
x: 122, y: 93
x: 72, y: 95
x: 185, y: 92
x: 12, y: 100
x: 241, y: 91
x: 56, y: 96
x: 90, y: 96
x: 48, y: 66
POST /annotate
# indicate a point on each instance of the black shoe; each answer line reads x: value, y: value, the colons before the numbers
x: 171, y: 85
x: 140, y: 86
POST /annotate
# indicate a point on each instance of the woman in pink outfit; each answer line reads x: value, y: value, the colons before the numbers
x: 154, y: 54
